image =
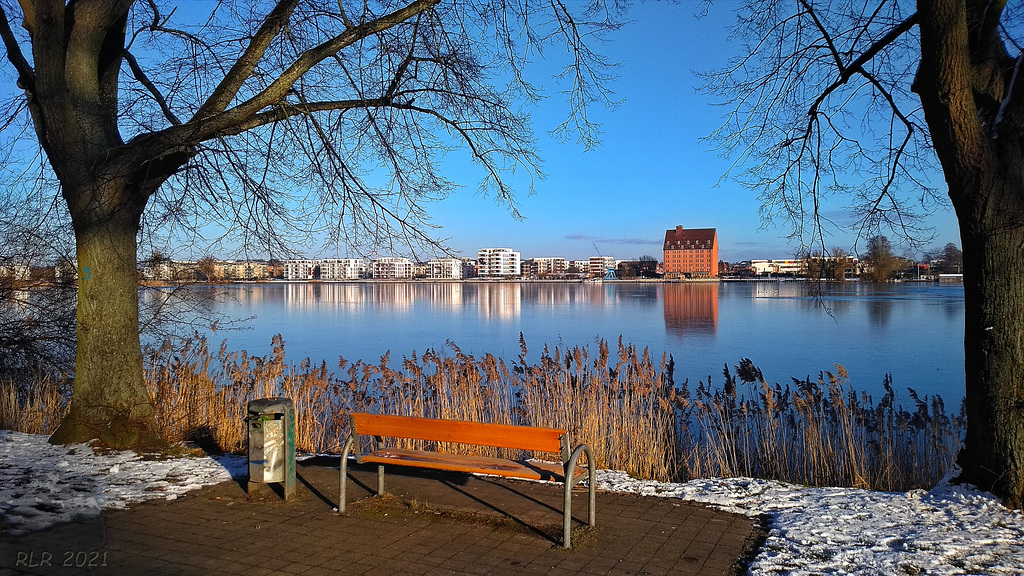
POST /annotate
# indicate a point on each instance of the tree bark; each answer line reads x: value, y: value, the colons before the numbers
x: 109, y: 400
x: 965, y: 82
x: 992, y: 457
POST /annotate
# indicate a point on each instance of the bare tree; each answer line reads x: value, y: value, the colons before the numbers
x: 863, y: 98
x: 207, y: 267
x: 843, y: 264
x: 278, y: 119
x: 37, y: 306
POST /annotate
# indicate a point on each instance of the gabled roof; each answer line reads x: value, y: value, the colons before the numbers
x: 682, y: 238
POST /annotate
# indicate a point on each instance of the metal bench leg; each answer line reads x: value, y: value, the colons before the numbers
x: 570, y: 481
x: 343, y: 480
x: 592, y: 485
x: 380, y: 479
x: 567, y: 515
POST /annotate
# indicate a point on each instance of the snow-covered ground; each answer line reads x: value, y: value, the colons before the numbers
x: 948, y: 530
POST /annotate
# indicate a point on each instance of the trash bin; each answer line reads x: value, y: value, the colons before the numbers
x: 271, y: 433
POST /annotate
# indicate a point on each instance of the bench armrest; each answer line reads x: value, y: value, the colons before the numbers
x: 571, y: 463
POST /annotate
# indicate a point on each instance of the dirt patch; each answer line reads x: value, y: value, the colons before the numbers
x: 752, y: 547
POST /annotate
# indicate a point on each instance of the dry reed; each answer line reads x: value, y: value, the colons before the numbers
x: 624, y: 403
x: 35, y: 404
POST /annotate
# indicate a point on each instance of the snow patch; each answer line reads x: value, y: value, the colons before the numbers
x: 945, y: 531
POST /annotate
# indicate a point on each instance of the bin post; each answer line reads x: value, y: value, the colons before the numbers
x: 270, y: 424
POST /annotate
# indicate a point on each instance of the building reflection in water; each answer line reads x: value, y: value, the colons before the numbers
x: 497, y: 300
x: 318, y: 294
x: 691, y: 308
x: 778, y: 289
x: 398, y: 296
x: 445, y: 295
x: 502, y: 300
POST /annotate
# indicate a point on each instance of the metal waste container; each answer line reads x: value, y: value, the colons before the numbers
x: 271, y: 433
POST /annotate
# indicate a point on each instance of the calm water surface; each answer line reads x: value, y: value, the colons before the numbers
x: 912, y: 330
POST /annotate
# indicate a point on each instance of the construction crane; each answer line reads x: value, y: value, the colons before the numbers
x: 609, y: 267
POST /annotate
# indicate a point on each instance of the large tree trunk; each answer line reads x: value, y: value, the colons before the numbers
x: 975, y: 117
x: 992, y: 457
x: 109, y: 400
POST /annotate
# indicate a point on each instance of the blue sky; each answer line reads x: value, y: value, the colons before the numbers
x: 651, y: 173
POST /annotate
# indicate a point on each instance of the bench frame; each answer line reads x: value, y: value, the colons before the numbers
x: 552, y: 440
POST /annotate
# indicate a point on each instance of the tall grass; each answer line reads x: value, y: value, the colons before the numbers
x: 817, y: 432
x: 623, y: 402
x: 34, y: 404
x: 202, y: 396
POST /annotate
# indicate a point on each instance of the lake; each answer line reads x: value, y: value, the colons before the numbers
x: 912, y: 330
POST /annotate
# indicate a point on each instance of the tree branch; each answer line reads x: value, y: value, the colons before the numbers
x: 226, y: 121
x: 857, y: 66
x: 26, y: 75
x: 140, y: 75
x: 246, y: 63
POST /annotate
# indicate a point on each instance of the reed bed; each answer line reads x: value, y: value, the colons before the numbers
x: 818, y: 432
x: 35, y: 404
x: 622, y: 401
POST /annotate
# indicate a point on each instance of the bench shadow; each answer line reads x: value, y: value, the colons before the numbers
x: 425, y: 474
x: 314, y: 490
x: 505, y: 514
x: 507, y: 487
x: 454, y: 481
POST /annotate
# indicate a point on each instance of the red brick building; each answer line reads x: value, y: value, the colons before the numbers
x: 691, y: 253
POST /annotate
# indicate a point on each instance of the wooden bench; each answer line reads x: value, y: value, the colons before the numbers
x: 551, y: 440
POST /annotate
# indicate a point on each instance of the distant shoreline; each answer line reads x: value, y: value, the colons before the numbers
x: 164, y: 284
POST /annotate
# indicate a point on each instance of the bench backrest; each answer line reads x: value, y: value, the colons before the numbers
x: 461, y: 432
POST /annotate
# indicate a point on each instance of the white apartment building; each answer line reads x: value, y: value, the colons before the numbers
x: 598, y: 265
x: 300, y: 269
x: 551, y: 265
x: 766, y: 267
x: 581, y: 265
x: 342, y: 268
x: 392, y: 268
x: 444, y: 269
x: 325, y: 269
x: 498, y: 263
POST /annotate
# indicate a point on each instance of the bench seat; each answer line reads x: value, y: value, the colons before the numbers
x: 373, y: 429
x: 527, y: 469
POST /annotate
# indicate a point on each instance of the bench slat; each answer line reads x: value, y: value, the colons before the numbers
x: 460, y: 432
x: 470, y: 464
x: 475, y: 433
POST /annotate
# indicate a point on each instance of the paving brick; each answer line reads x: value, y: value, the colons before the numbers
x: 459, y: 525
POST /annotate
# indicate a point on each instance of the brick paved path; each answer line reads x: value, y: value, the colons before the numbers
x: 437, y: 524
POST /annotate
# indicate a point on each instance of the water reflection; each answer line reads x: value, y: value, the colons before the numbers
x: 778, y: 289
x: 446, y: 296
x: 915, y: 332
x: 688, y: 308
x: 501, y: 301
x: 880, y: 311
x: 691, y: 308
